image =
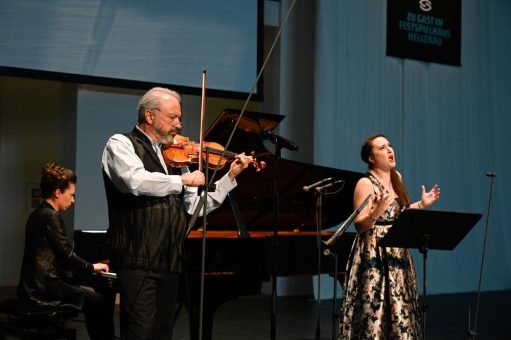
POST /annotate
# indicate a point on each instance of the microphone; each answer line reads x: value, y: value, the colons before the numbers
x: 319, y: 189
x: 490, y: 174
x: 318, y: 183
x: 278, y: 140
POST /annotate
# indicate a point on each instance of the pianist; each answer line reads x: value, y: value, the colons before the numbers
x: 49, y: 262
x: 146, y: 206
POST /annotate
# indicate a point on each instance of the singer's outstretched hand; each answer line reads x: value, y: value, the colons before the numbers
x: 430, y: 197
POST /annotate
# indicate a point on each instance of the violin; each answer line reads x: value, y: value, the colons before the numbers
x: 184, y: 152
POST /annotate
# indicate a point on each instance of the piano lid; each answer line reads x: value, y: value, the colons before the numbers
x: 246, y: 138
x: 255, y: 192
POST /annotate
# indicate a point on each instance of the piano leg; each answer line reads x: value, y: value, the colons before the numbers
x: 234, y: 267
x: 108, y: 290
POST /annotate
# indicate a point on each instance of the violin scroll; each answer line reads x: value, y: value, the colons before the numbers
x: 258, y: 165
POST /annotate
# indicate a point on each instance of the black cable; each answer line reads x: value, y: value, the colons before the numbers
x: 472, y: 334
x: 254, y: 86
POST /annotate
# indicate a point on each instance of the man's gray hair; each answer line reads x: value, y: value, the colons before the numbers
x: 151, y: 99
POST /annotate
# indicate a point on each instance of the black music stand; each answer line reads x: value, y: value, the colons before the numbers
x: 429, y: 229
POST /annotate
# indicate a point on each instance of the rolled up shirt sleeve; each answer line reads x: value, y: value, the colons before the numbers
x: 214, y: 199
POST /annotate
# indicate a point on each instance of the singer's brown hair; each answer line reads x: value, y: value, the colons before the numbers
x: 398, y: 185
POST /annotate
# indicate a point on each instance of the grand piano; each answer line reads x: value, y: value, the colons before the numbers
x: 240, y: 234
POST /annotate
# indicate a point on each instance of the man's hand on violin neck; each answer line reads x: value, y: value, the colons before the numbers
x: 240, y: 163
x: 193, y: 179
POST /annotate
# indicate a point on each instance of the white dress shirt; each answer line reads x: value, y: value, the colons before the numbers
x: 126, y: 170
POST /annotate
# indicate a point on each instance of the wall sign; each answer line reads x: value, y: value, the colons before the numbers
x: 426, y: 30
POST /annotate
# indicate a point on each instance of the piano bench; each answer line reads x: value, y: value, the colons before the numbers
x: 26, y: 320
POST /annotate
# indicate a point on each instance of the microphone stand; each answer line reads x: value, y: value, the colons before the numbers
x: 334, y: 300
x: 276, y: 215
x: 279, y: 143
x: 319, y: 203
x: 330, y: 250
x: 472, y: 333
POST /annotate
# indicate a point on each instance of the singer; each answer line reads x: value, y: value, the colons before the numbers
x: 380, y: 290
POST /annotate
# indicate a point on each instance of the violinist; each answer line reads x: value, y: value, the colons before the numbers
x: 147, y: 201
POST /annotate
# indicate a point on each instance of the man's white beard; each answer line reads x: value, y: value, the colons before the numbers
x: 163, y: 137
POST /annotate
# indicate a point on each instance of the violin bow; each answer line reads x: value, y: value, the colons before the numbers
x: 202, y: 114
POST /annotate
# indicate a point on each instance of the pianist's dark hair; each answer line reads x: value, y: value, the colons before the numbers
x: 397, y: 183
x: 55, y: 177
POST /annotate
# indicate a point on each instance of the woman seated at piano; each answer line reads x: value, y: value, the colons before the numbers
x: 49, y: 260
x: 380, y: 291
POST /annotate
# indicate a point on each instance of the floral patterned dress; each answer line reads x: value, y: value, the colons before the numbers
x: 380, y: 290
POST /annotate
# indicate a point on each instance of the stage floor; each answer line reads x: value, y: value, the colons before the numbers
x: 248, y: 318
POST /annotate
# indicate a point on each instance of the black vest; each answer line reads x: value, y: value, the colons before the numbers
x: 146, y: 232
